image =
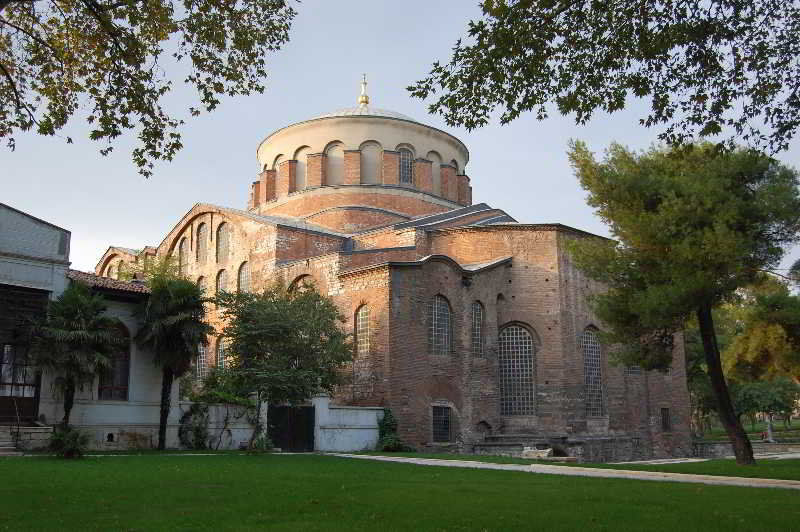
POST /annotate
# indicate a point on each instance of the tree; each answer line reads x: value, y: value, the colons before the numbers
x: 284, y: 345
x: 173, y: 328
x: 75, y: 341
x: 703, y: 66
x: 777, y: 397
x: 112, y: 57
x: 692, y: 225
x: 148, y: 268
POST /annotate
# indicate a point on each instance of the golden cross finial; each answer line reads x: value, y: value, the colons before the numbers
x: 363, y: 99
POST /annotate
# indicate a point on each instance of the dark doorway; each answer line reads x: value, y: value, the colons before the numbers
x: 19, y: 380
x: 291, y: 427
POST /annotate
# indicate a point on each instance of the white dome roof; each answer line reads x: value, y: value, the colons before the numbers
x: 365, y: 110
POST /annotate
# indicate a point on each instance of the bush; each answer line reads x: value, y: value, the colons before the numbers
x: 193, y: 428
x: 262, y: 444
x: 69, y: 442
x: 387, y: 435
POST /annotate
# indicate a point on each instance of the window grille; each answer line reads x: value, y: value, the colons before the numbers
x: 362, y: 331
x: 222, y: 281
x: 201, y: 246
x: 244, y: 277
x: 223, y: 242
x: 633, y: 370
x: 666, y: 420
x: 201, y: 366
x: 113, y: 384
x: 183, y: 256
x: 221, y: 355
x: 17, y: 374
x: 592, y: 373
x: 406, y: 166
x: 477, y: 329
x: 442, y: 428
x: 517, y: 370
x: 440, y: 328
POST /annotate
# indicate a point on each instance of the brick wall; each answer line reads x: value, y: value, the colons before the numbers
x: 352, y: 167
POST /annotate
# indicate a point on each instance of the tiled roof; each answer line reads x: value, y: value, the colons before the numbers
x: 365, y: 110
x: 107, y: 283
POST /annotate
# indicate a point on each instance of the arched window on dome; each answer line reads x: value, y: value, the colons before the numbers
x: 183, y: 256
x: 201, y: 247
x: 222, y: 281
x: 592, y: 373
x: 223, y: 242
x: 517, y: 371
x: 406, y: 162
x: 436, y: 171
x: 371, y: 157
x: 301, y: 172
x: 440, y: 326
x: 277, y: 161
x: 334, y: 164
x: 477, y: 329
x: 244, y: 277
x: 454, y: 164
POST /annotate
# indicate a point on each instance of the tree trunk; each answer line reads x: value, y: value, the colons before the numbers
x: 741, y: 443
x: 167, y: 377
x: 69, y: 400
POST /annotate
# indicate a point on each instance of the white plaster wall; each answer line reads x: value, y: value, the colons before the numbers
x: 344, y: 428
x: 352, y: 131
x: 32, y: 273
x: 23, y: 234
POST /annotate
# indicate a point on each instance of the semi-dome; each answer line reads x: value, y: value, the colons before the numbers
x: 360, y: 158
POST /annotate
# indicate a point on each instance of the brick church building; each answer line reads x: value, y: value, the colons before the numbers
x: 473, y: 328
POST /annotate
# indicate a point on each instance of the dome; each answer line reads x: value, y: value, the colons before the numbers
x: 365, y: 110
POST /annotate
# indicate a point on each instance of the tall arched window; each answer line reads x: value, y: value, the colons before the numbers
x: 221, y: 355
x: 439, y: 326
x: 477, y: 329
x: 517, y: 371
x: 362, y: 331
x: 113, y: 382
x: 201, y: 282
x: 222, y: 281
x: 406, y: 166
x: 300, y: 180
x: 223, y: 242
x: 334, y: 164
x: 592, y: 373
x: 201, y: 365
x: 183, y: 256
x: 201, y: 246
x: 244, y: 277
x: 371, y: 162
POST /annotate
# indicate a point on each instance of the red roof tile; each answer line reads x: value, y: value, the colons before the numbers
x: 108, y: 283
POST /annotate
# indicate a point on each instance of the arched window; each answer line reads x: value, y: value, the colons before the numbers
x: 223, y: 242
x: 517, y: 371
x: 406, y: 166
x: 300, y: 180
x: 201, y: 282
x: 334, y: 164
x: 592, y: 373
x: 183, y: 256
x: 113, y: 382
x: 222, y: 281
x: 301, y: 282
x: 477, y: 329
x: 221, y: 355
x: 202, y: 243
x: 244, y: 277
x: 371, y: 162
x: 362, y: 331
x: 454, y: 164
x: 439, y: 326
x: 201, y: 365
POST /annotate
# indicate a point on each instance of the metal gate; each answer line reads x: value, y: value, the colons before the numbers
x: 291, y: 427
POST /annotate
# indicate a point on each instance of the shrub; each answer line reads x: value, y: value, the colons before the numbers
x: 388, y: 440
x: 69, y: 442
x: 193, y: 428
x: 262, y: 444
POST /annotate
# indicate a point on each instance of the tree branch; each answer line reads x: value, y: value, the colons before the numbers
x: 19, y: 103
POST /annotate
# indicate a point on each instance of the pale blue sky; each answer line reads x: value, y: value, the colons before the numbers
x: 520, y: 167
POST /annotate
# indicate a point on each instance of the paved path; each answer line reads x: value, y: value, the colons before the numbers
x: 589, y: 472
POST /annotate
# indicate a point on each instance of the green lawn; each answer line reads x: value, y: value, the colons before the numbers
x: 312, y: 492
x: 754, y: 430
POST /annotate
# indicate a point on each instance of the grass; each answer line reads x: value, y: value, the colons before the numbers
x: 312, y: 492
x: 755, y: 430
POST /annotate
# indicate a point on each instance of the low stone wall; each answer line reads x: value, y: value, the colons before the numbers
x: 33, y: 438
x: 722, y: 449
x: 344, y: 428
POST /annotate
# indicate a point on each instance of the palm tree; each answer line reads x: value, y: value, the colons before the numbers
x: 75, y: 341
x: 173, y: 328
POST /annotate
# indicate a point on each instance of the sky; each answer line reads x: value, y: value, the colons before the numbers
x: 519, y: 167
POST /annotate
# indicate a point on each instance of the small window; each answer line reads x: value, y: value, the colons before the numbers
x: 201, y: 246
x: 222, y: 281
x: 442, y: 428
x: 223, y: 242
x: 362, y: 331
x: 439, y: 326
x: 666, y: 420
x: 244, y: 277
x: 221, y: 354
x: 113, y: 385
x: 633, y: 370
x: 201, y: 365
x: 477, y: 329
x: 406, y: 166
